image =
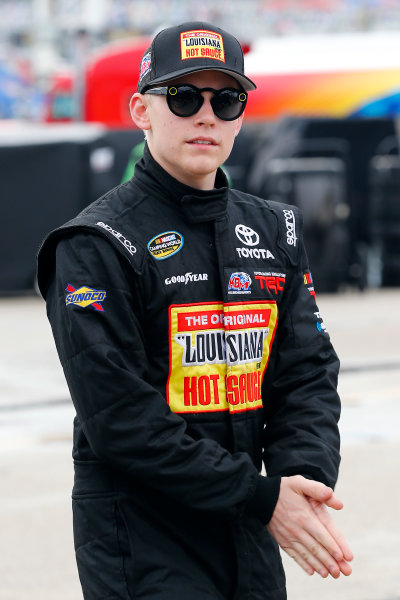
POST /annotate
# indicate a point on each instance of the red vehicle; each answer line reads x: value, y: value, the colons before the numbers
x: 337, y: 75
x: 109, y: 81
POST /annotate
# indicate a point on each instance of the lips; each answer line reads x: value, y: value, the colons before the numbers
x: 203, y: 141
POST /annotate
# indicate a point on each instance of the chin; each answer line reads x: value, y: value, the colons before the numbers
x: 203, y: 166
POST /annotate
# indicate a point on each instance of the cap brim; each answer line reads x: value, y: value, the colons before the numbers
x: 246, y: 83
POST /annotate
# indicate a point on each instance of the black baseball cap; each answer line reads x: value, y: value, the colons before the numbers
x: 189, y: 47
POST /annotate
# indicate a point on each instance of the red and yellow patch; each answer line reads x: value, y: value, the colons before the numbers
x: 218, y: 355
x: 202, y: 44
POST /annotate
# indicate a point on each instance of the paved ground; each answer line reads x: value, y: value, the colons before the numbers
x: 37, y: 560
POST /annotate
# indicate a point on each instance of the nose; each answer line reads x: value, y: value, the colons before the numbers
x: 206, y: 114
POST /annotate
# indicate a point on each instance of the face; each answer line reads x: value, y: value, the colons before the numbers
x: 188, y: 148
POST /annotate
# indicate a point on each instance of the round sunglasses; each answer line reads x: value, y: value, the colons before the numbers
x: 186, y: 99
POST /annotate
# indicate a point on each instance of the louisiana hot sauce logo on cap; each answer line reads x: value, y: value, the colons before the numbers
x: 202, y: 44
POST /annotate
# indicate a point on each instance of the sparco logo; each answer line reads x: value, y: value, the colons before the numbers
x: 290, y: 221
x: 246, y: 235
x: 186, y: 278
x: 121, y: 238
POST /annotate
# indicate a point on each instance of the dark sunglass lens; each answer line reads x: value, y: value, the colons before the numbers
x: 183, y: 100
x: 229, y: 104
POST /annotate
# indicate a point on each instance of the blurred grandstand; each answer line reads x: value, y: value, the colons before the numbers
x: 41, y: 37
x: 246, y: 19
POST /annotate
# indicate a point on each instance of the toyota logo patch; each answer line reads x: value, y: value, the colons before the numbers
x: 246, y: 235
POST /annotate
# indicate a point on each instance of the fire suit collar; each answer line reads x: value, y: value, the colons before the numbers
x: 198, y: 208
x: 197, y: 205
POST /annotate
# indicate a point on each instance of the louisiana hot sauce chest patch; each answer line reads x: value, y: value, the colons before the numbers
x: 202, y: 44
x: 218, y: 355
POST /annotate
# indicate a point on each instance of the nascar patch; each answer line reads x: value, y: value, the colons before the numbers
x: 202, y: 44
x: 85, y: 296
x: 165, y: 244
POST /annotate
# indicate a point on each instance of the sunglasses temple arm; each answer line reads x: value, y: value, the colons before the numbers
x: 160, y: 91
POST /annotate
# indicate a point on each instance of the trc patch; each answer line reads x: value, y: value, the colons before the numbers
x: 85, y: 296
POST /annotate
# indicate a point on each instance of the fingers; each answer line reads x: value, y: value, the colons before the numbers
x: 306, y: 566
x: 304, y: 529
x: 312, y: 565
x: 321, y: 562
x: 315, y: 490
x: 325, y: 518
x: 314, y: 530
x: 314, y: 543
x: 345, y: 568
x: 307, y: 543
x: 327, y: 544
x: 308, y: 562
x: 317, y: 555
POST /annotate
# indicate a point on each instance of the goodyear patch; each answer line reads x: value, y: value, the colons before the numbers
x: 165, y: 244
x: 85, y: 296
x: 202, y: 44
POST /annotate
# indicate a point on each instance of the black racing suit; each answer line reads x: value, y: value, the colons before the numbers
x: 187, y: 327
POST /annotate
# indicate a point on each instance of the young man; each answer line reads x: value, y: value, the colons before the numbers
x: 185, y: 319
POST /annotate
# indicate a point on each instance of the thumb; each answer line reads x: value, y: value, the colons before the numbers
x: 319, y: 493
x: 334, y: 502
x: 316, y: 490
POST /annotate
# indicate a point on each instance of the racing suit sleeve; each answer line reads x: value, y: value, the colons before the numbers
x: 303, y: 408
x: 126, y: 421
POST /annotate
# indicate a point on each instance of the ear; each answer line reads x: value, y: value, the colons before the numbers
x: 138, y: 110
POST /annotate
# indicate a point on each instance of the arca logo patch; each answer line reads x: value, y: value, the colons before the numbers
x: 85, y: 296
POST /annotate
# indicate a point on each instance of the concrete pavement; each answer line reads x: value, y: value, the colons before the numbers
x: 36, y: 545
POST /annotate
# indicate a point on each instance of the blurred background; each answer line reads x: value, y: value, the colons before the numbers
x: 321, y: 132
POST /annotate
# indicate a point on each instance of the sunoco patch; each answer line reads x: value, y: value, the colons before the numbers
x: 202, y: 44
x: 85, y: 296
x: 165, y: 244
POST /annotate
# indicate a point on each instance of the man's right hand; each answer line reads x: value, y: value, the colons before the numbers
x: 303, y: 527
